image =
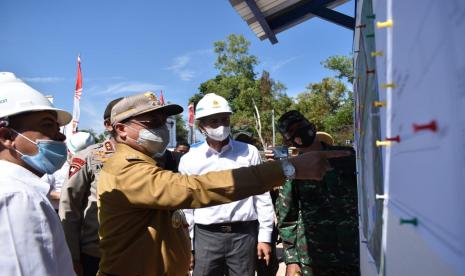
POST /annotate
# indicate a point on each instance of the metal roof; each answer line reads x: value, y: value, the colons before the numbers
x: 266, y: 18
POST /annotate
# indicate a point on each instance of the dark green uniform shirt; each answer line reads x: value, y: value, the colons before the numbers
x: 318, y: 220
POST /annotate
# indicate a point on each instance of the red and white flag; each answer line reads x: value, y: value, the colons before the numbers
x: 162, y: 99
x: 190, y: 118
x: 77, y: 97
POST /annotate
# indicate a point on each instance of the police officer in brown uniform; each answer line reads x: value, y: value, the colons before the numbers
x: 78, y: 202
x: 141, y: 233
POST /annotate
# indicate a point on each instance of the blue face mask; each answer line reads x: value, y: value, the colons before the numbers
x: 50, y: 157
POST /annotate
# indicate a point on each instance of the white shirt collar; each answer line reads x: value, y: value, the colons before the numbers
x: 25, y: 176
x: 210, y: 151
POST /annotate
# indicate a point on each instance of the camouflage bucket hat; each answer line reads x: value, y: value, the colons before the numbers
x: 243, y: 130
x: 138, y: 104
x: 289, y: 118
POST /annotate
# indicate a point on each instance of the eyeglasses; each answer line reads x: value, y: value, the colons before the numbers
x: 150, y: 123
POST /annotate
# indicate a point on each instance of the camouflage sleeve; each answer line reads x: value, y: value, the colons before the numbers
x: 72, y: 200
x: 287, y: 211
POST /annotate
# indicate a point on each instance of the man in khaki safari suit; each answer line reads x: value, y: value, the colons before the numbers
x: 141, y: 233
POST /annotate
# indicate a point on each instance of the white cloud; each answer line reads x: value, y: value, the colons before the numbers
x: 186, y: 75
x: 126, y: 87
x: 281, y: 64
x: 179, y: 67
x: 42, y: 79
x: 180, y: 62
x: 182, y: 65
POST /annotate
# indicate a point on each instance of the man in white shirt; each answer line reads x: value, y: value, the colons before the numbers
x: 225, y: 239
x: 31, y: 237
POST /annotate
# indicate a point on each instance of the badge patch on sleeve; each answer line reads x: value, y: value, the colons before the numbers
x: 109, y: 146
x: 76, y: 165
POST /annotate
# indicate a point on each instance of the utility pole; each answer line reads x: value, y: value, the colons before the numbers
x: 272, y: 125
x: 258, y: 124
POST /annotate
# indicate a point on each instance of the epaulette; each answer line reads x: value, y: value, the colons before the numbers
x: 108, y: 146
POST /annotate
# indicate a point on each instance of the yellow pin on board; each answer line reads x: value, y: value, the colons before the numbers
x: 385, y: 24
x: 377, y: 54
x: 383, y: 143
x: 388, y: 85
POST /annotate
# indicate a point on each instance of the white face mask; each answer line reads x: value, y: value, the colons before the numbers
x: 218, y: 134
x: 154, y: 140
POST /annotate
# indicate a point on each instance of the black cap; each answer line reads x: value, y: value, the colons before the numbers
x: 107, y: 113
x: 289, y: 118
x: 242, y: 130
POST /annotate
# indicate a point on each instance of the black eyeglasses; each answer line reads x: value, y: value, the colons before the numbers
x: 150, y: 123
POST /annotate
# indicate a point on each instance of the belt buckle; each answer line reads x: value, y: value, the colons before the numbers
x: 226, y: 228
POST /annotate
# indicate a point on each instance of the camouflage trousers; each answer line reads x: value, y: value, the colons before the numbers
x: 347, y: 270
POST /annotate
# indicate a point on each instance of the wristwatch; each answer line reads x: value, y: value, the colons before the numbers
x: 288, y: 169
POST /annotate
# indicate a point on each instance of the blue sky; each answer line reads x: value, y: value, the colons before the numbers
x: 134, y: 46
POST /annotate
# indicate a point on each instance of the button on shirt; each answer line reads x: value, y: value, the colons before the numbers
x: 203, y: 159
x: 32, y: 240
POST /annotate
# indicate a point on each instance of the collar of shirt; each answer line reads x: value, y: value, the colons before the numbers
x: 209, y: 151
x: 23, y: 175
x: 131, y: 153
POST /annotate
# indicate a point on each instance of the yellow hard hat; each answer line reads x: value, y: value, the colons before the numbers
x: 325, y: 138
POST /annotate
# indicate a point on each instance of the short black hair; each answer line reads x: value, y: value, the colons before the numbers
x: 183, y: 143
x: 107, y: 113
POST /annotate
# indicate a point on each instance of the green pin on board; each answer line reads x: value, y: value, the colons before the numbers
x: 412, y: 221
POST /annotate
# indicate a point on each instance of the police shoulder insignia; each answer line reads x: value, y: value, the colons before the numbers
x: 76, y: 165
x: 108, y: 146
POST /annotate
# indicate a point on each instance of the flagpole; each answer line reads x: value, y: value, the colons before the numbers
x: 72, y: 127
x: 192, y: 134
x: 190, y: 120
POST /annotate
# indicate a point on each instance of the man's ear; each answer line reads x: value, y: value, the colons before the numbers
x: 6, y: 138
x: 120, y: 130
x: 200, y: 127
x: 108, y: 126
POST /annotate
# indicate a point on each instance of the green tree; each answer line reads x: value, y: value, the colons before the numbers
x: 101, y: 137
x: 93, y: 134
x: 268, y: 95
x: 342, y: 65
x: 181, y: 131
x: 238, y: 83
x: 233, y: 57
x: 329, y: 104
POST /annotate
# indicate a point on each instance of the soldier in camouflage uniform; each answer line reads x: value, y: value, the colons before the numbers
x: 78, y: 205
x: 318, y: 220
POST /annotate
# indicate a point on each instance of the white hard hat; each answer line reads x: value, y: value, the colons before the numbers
x: 79, y: 141
x: 211, y: 104
x: 17, y: 97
